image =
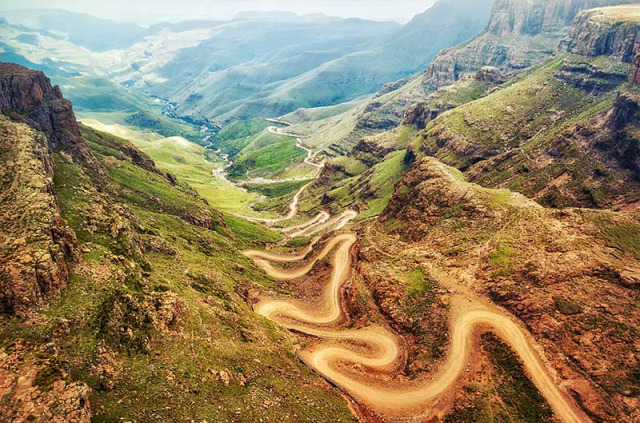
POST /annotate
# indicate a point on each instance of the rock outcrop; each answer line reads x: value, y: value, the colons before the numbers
x: 590, y: 78
x: 35, y: 388
x: 37, y: 247
x: 623, y: 145
x: 635, y: 70
x: 418, y: 198
x: 520, y: 34
x: 612, y: 31
x: 590, y: 162
x: 419, y: 115
x: 28, y: 95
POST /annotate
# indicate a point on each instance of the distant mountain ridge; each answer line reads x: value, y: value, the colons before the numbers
x: 258, y: 64
x: 91, y: 32
x: 390, y: 56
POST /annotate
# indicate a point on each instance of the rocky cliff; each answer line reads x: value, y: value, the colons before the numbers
x: 612, y: 31
x: 531, y: 17
x: 28, y: 95
x: 520, y: 34
x: 635, y: 71
x: 37, y: 248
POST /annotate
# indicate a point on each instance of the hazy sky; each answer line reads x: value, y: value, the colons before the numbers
x: 150, y: 11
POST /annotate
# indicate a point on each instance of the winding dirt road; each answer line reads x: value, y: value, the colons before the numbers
x: 303, y: 228
x: 293, y: 210
x: 364, y: 361
x: 299, y: 143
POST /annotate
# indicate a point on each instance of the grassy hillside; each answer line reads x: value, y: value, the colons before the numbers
x: 268, y: 155
x: 191, y: 163
x: 543, y: 134
x: 154, y: 319
x: 362, y: 179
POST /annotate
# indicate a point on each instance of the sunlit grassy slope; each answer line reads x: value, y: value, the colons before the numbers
x: 215, y: 359
x: 190, y: 163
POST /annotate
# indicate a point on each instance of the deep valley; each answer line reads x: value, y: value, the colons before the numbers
x: 286, y: 217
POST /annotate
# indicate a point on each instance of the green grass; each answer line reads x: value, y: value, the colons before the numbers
x: 249, y: 231
x: 567, y: 306
x: 372, y: 188
x: 418, y: 281
x: 232, y: 138
x: 510, y: 396
x: 278, y: 189
x: 517, y: 391
x: 190, y: 163
x: 623, y: 236
x: 111, y: 306
x: 382, y: 182
x: 501, y: 256
x: 541, y: 119
x: 501, y: 260
x: 267, y: 156
x: 351, y: 165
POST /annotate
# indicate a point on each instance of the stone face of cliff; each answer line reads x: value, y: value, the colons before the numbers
x: 37, y: 248
x: 605, y: 31
x: 520, y: 34
x: 531, y: 17
x: 635, y: 70
x: 28, y: 95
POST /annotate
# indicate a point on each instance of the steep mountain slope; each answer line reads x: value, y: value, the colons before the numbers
x: 152, y: 323
x: 404, y: 102
x: 564, y: 273
x: 562, y: 132
x: 521, y: 34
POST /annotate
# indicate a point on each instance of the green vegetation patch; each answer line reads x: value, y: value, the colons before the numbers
x: 267, y: 156
x: 511, y: 398
x: 567, y: 306
x: 623, y: 236
x: 278, y: 189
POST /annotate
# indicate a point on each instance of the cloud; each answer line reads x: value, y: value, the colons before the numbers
x: 150, y: 11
